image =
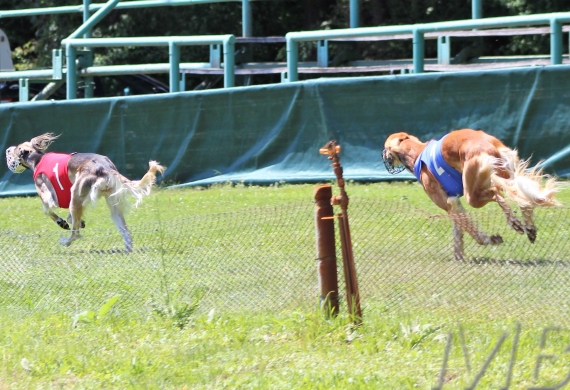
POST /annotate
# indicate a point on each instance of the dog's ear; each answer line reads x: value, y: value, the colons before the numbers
x: 42, y: 142
x: 403, y: 137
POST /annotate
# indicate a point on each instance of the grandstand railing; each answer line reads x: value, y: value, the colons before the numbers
x: 173, y: 44
x: 418, y: 32
x: 442, y: 31
x: 87, y: 7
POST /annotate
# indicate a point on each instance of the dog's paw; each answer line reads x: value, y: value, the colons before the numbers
x: 496, y: 239
x: 62, y: 223
x: 65, y: 241
x: 531, y: 233
x: 517, y: 225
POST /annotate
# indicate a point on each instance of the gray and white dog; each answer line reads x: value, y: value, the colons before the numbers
x: 75, y: 180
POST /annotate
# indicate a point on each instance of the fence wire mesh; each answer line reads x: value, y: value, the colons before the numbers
x: 264, y: 259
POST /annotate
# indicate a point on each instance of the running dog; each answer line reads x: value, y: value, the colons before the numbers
x: 480, y: 167
x: 74, y: 180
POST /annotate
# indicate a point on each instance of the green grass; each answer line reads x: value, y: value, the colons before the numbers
x: 285, y: 350
x: 221, y: 293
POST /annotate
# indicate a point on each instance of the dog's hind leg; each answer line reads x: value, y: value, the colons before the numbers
x: 119, y: 221
x: 512, y: 221
x: 529, y: 227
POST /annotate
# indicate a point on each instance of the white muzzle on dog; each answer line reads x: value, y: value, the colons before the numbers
x: 13, y: 162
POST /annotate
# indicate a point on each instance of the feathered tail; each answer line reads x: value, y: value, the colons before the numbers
x: 136, y: 188
x: 527, y: 187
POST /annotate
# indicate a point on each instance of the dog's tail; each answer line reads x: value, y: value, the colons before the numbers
x: 141, y: 188
x: 137, y: 188
x: 528, y: 187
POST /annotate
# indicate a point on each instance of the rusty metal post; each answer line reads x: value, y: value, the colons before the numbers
x: 332, y: 149
x: 326, y: 250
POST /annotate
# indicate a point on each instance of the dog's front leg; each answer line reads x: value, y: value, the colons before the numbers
x: 457, y: 242
x: 462, y: 220
x: 47, y: 195
x: 76, y: 211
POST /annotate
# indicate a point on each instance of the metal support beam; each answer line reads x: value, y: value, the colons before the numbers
x: 354, y: 14
x: 555, y: 42
x: 323, y: 53
x: 443, y: 50
x: 418, y: 51
x: 86, y: 16
x: 292, y: 60
x: 246, y: 28
x: 182, y: 87
x: 57, y: 64
x: 48, y: 90
x: 93, y: 20
x: 229, y: 62
x: 89, y: 89
x: 71, y: 75
x: 476, y: 9
x: 174, y: 60
x: 24, y: 92
x: 215, y: 55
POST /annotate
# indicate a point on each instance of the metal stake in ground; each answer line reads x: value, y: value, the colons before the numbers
x: 332, y: 149
x: 326, y: 250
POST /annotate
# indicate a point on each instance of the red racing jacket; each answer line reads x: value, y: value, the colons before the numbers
x: 54, y: 166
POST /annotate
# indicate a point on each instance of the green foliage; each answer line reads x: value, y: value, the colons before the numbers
x: 179, y: 312
x: 93, y: 317
x: 25, y: 57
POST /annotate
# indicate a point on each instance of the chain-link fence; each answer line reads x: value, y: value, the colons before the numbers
x: 405, y: 260
x: 264, y: 259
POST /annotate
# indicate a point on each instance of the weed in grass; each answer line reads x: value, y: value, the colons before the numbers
x: 93, y: 317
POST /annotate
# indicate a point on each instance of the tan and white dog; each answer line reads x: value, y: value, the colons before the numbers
x: 75, y: 180
x: 480, y: 167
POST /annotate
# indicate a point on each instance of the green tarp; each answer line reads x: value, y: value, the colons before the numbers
x: 272, y: 133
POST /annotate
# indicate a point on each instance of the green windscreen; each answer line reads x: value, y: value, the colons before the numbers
x: 272, y: 133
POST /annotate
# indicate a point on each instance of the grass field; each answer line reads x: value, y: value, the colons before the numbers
x: 231, y: 275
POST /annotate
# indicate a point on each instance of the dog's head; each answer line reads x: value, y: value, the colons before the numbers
x: 23, y: 156
x: 394, y: 151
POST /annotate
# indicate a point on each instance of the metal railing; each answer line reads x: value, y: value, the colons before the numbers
x: 86, y: 70
x: 173, y: 44
x: 87, y: 7
x: 89, y: 21
x: 554, y: 20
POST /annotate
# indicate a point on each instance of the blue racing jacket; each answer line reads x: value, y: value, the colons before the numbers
x: 449, y: 177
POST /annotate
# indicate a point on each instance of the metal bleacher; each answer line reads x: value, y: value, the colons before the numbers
x: 74, y: 61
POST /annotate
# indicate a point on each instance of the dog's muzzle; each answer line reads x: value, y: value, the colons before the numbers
x: 13, y: 162
x: 389, y: 163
